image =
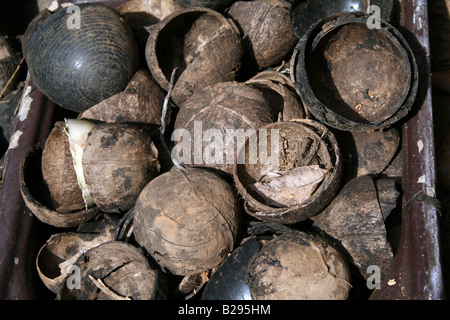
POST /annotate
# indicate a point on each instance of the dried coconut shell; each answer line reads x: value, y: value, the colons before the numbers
x: 140, y: 15
x: 188, y: 220
x: 115, y: 270
x: 119, y: 159
x: 57, y: 256
x: 222, y: 107
x: 302, y: 143
x: 299, y: 266
x: 279, y: 90
x: 140, y: 102
x: 59, y: 172
x: 266, y: 29
x: 37, y: 198
x: 354, y: 218
x: 201, y: 44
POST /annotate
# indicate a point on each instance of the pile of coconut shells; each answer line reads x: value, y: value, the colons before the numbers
x: 218, y: 150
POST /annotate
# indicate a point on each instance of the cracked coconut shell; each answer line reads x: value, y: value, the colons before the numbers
x: 266, y: 29
x: 201, y: 44
x: 187, y: 220
x: 119, y: 159
x: 221, y: 107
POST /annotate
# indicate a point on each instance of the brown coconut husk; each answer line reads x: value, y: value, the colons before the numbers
x: 223, y: 106
x: 57, y: 256
x: 115, y: 270
x: 267, y: 32
x: 355, y: 219
x: 280, y: 92
x: 37, y: 198
x: 299, y: 266
x: 305, y: 146
x: 188, y: 220
x: 201, y: 44
x: 140, y: 102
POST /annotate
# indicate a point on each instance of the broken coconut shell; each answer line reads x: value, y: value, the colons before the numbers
x: 368, y: 152
x: 59, y: 167
x: 187, y: 220
x: 115, y: 270
x: 119, y: 159
x: 37, y: 198
x: 219, y: 109
x: 140, y: 15
x: 294, y: 182
x: 354, y: 218
x: 354, y: 78
x: 280, y: 92
x: 299, y: 266
x: 200, y: 43
x: 56, y: 257
x: 266, y: 29
x: 140, y: 102
x: 212, y: 4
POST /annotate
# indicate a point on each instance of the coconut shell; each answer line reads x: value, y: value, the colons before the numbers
x: 299, y: 266
x: 266, y: 29
x: 119, y: 159
x: 368, y: 152
x: 203, y: 46
x: 188, y: 220
x: 354, y: 78
x: 354, y: 218
x: 115, y: 270
x: 59, y: 173
x: 279, y: 91
x: 140, y: 102
x: 302, y: 143
x: 224, y: 106
x: 9, y: 60
x: 140, y: 15
x: 37, y: 198
x: 59, y: 253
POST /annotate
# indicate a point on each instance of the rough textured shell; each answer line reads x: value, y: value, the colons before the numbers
x: 223, y: 106
x: 188, y: 220
x: 77, y: 67
x: 37, y: 197
x: 266, y: 30
x: 59, y: 173
x: 299, y: 266
x: 354, y: 78
x: 119, y: 159
x: 328, y: 154
x: 141, y: 102
x: 124, y: 271
x: 203, y: 46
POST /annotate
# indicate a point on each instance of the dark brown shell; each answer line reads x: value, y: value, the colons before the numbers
x: 203, y: 46
x: 140, y: 102
x: 77, y: 67
x: 119, y: 159
x: 59, y: 173
x: 36, y: 195
x: 223, y: 106
x: 124, y: 271
x: 266, y: 29
x: 354, y: 218
x: 299, y: 266
x: 188, y: 220
x: 354, y: 78
x: 326, y: 154
x: 212, y: 4
x: 57, y: 256
x: 280, y: 92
